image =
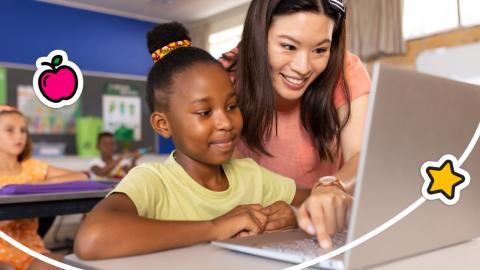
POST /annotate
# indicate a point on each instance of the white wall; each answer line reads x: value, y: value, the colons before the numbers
x: 458, y: 63
x: 199, y: 31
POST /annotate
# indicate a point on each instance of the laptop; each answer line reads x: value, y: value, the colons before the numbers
x: 412, y: 118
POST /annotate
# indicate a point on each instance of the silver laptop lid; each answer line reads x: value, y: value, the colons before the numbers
x: 413, y: 118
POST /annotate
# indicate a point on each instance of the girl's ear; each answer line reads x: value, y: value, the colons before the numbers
x: 160, y: 124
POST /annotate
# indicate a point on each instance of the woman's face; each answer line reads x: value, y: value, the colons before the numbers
x: 298, y: 51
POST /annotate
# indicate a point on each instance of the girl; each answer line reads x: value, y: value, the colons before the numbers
x: 108, y: 165
x: 16, y: 167
x: 303, y: 108
x: 199, y: 194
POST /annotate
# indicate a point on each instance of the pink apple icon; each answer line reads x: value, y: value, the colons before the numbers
x: 59, y: 83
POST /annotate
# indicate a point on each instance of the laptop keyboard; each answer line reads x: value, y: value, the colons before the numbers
x: 307, y: 248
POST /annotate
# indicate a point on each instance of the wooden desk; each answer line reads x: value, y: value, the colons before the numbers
x: 49, y: 204
x: 205, y: 256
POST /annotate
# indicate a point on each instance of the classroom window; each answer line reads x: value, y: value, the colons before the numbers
x: 426, y: 17
x: 469, y: 12
x: 225, y: 40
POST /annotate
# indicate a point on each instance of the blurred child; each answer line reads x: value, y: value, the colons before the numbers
x: 16, y: 167
x: 199, y: 193
x: 109, y: 166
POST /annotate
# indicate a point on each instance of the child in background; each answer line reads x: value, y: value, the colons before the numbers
x: 107, y: 166
x: 199, y: 193
x: 16, y: 167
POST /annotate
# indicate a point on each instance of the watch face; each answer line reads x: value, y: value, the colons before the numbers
x: 327, y: 179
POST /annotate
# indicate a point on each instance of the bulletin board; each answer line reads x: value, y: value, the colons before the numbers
x: 90, y: 104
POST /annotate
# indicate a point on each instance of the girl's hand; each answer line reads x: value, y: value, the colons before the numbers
x: 280, y: 216
x: 243, y: 220
x: 136, y: 155
x: 325, y: 213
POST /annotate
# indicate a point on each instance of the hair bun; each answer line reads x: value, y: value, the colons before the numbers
x: 163, y: 34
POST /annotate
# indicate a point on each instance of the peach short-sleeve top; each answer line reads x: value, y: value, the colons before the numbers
x: 293, y: 153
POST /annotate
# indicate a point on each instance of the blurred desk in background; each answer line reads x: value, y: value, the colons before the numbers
x: 49, y: 204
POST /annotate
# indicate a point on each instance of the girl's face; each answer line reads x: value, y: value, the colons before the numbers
x: 204, y: 119
x: 13, y: 134
x: 298, y: 51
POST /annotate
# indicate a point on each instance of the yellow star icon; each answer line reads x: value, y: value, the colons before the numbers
x: 444, y: 179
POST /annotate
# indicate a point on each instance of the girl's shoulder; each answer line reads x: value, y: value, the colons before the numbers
x: 32, y: 171
x: 35, y: 169
x: 32, y: 163
x: 243, y: 168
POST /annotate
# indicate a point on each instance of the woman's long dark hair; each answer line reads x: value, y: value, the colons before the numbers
x: 254, y: 83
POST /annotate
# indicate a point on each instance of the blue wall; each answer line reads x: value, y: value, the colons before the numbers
x: 94, y: 41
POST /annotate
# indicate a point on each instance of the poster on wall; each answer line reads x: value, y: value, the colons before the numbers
x: 122, y: 111
x: 3, y: 85
x: 45, y: 120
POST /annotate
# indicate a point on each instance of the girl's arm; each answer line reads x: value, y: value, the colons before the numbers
x: 114, y: 229
x: 105, y: 171
x: 135, y: 156
x: 55, y: 175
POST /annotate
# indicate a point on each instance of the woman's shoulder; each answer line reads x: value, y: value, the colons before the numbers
x: 352, y: 60
x: 355, y: 71
x: 356, y: 78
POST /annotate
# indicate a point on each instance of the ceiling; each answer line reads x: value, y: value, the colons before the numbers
x: 186, y: 11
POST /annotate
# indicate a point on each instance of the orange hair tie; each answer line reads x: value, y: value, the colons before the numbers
x: 160, y: 53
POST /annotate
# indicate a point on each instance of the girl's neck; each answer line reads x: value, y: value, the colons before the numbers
x: 209, y: 176
x: 9, y: 163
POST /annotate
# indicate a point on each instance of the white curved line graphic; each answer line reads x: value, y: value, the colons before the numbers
x: 387, y: 224
x: 362, y: 239
x: 470, y: 146
x: 36, y: 254
x: 306, y: 264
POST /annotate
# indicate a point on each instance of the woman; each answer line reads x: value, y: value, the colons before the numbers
x: 304, y: 100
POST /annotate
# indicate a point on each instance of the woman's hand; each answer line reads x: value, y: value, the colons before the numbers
x: 229, y: 62
x: 280, y: 216
x: 325, y: 213
x: 243, y: 220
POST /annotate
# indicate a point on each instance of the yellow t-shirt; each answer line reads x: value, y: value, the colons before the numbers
x: 164, y: 191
